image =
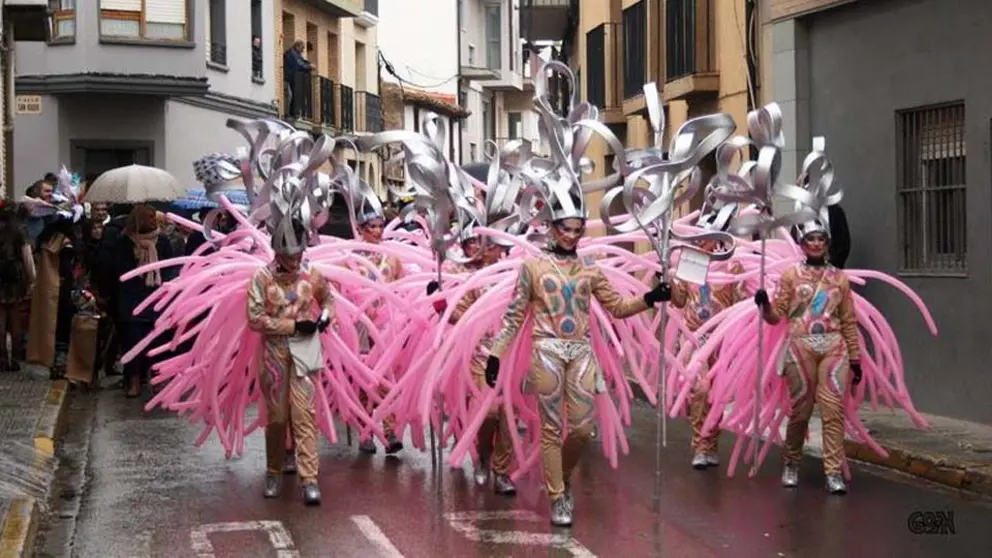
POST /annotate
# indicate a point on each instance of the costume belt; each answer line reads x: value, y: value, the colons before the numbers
x: 566, y: 349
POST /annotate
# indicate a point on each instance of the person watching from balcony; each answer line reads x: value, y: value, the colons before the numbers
x: 256, y: 57
x: 296, y: 68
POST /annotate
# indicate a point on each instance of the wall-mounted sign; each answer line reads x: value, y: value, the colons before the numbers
x: 28, y: 104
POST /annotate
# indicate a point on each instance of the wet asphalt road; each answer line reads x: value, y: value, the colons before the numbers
x: 133, y: 486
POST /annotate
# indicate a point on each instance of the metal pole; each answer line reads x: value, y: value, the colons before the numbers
x: 435, y: 448
x: 661, y: 422
x: 755, y: 435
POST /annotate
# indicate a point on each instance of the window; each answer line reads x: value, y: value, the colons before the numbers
x: 217, y: 32
x: 635, y: 48
x: 596, y: 60
x: 473, y: 151
x: 144, y: 19
x: 514, y: 121
x: 487, y: 128
x: 256, y: 40
x: 471, y: 55
x: 63, y: 19
x: 360, y: 66
x: 494, y: 39
x: 930, y: 176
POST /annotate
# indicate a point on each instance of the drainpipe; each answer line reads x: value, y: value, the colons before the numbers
x: 750, y: 56
x: 7, y: 106
x: 458, y: 93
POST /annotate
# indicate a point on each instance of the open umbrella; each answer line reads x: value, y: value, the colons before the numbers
x: 135, y: 184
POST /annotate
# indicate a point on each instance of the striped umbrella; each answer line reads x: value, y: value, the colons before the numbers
x: 196, y: 198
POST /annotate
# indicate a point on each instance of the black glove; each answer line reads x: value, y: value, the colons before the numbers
x: 761, y: 299
x: 306, y: 327
x: 433, y: 287
x: 492, y: 371
x: 661, y: 293
x: 322, y: 324
x: 856, y: 370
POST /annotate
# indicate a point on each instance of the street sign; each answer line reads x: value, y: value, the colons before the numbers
x: 28, y: 104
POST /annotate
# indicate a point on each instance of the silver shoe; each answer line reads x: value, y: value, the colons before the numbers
x: 290, y: 467
x: 504, y: 486
x: 482, y: 474
x: 273, y: 486
x: 790, y: 476
x: 368, y: 446
x: 569, y: 499
x: 311, y: 495
x: 836, y: 484
x: 561, y: 513
x: 699, y: 461
x: 712, y: 459
x: 393, y: 445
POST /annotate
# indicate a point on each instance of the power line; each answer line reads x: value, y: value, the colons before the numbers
x: 392, y: 71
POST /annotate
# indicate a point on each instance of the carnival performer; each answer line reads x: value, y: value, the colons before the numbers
x: 698, y: 304
x: 370, y: 222
x: 823, y: 355
x: 493, y: 441
x: 558, y: 287
x: 288, y: 299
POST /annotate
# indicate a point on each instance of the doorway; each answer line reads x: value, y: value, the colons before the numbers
x: 93, y: 159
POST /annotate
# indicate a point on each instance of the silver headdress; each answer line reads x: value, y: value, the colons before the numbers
x: 817, y: 179
x: 292, y: 198
x: 441, y: 193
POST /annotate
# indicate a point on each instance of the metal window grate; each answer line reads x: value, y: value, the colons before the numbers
x: 932, y: 189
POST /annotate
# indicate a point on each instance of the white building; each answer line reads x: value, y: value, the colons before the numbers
x: 141, y: 81
x: 418, y: 44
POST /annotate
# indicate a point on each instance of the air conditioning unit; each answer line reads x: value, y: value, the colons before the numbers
x: 30, y: 19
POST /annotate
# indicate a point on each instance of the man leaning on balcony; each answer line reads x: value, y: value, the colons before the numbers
x: 296, y: 72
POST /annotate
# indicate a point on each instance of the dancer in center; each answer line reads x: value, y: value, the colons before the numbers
x: 558, y: 287
x: 698, y: 304
x: 493, y: 440
x: 370, y: 221
x: 823, y: 353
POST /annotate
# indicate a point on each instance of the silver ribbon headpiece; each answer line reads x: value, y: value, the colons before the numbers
x: 817, y: 179
x: 655, y: 185
x: 755, y: 183
x: 441, y: 192
x: 293, y: 198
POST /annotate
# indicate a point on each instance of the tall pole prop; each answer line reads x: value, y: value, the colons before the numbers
x: 755, y: 435
x: 661, y: 416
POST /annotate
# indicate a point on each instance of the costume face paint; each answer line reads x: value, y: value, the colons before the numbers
x: 567, y: 232
x: 372, y: 231
x: 815, y: 245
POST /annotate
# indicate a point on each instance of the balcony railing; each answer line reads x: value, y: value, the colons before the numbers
x: 218, y: 53
x: 372, y: 7
x: 346, y: 98
x: 368, y: 108
x: 635, y: 48
x: 328, y: 96
x: 299, y: 96
x: 688, y: 38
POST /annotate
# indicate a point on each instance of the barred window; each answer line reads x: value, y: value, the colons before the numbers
x: 932, y: 191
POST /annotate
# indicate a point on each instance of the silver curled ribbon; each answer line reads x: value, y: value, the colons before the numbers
x: 756, y: 183
x: 280, y: 174
x: 441, y: 192
x: 655, y: 184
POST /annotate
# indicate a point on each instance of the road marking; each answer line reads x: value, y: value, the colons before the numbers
x: 375, y: 535
x: 466, y: 523
x: 279, y: 537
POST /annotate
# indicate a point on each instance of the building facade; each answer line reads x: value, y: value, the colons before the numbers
x: 906, y: 115
x: 693, y: 50
x: 341, y: 96
x: 141, y: 81
x: 419, y: 70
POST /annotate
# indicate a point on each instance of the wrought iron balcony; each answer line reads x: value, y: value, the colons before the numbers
x: 368, y: 107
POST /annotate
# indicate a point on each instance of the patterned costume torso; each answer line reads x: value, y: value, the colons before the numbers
x: 816, y: 300
x: 699, y: 303
x: 559, y: 290
x: 277, y: 300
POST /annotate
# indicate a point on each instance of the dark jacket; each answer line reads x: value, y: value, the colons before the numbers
x: 129, y: 294
x: 293, y: 63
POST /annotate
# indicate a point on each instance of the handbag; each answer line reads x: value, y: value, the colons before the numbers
x: 308, y: 354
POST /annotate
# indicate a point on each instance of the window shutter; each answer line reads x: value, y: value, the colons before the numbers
x: 165, y: 11
x: 121, y: 5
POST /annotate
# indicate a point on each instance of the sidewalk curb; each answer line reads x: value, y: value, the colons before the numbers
x: 918, y: 464
x: 20, y: 524
x: 911, y: 462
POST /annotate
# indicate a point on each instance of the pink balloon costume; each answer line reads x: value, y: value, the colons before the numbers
x: 267, y: 310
